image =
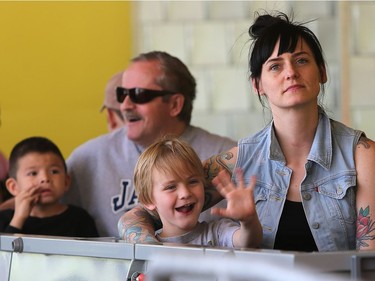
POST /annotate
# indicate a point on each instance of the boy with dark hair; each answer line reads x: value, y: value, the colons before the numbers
x: 38, y: 179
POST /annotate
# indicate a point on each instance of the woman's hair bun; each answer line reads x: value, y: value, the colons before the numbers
x: 262, y: 22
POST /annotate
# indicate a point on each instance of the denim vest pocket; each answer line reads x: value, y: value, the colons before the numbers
x: 260, y: 194
x: 265, y: 200
x: 338, y: 197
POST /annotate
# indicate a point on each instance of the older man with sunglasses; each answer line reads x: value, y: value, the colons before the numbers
x: 156, y: 99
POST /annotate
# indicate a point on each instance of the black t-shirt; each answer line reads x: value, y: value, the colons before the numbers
x: 294, y: 233
x: 73, y: 222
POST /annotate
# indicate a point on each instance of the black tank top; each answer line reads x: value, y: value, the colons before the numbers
x: 294, y: 233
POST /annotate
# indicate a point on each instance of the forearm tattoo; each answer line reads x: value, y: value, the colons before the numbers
x: 138, y: 229
x: 365, y: 228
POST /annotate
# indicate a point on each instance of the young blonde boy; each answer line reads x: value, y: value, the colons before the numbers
x: 38, y: 179
x: 169, y: 181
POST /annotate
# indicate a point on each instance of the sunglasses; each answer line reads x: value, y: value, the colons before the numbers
x: 140, y: 95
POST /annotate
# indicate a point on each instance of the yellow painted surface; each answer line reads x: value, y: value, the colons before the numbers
x: 55, y: 59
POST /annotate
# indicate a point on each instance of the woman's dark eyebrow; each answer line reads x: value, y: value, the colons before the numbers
x: 273, y: 60
x: 300, y: 53
x: 293, y: 55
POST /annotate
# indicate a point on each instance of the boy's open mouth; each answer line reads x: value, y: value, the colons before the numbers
x: 185, y: 208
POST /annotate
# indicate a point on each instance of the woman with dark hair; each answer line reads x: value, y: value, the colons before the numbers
x: 315, y: 176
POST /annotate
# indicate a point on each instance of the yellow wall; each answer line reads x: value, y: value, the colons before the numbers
x: 55, y: 59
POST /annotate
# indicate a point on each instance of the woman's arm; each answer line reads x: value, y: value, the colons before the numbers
x: 212, y: 167
x: 365, y: 166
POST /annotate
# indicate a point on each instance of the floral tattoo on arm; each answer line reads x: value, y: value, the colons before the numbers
x: 211, y: 168
x: 365, y: 224
x: 217, y: 163
x: 365, y: 228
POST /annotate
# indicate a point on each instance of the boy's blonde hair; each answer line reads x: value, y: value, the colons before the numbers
x: 169, y: 155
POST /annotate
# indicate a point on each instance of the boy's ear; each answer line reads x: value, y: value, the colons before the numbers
x: 12, y: 186
x: 150, y: 207
x: 68, y: 181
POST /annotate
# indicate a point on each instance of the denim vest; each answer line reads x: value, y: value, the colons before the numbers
x: 328, y: 190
